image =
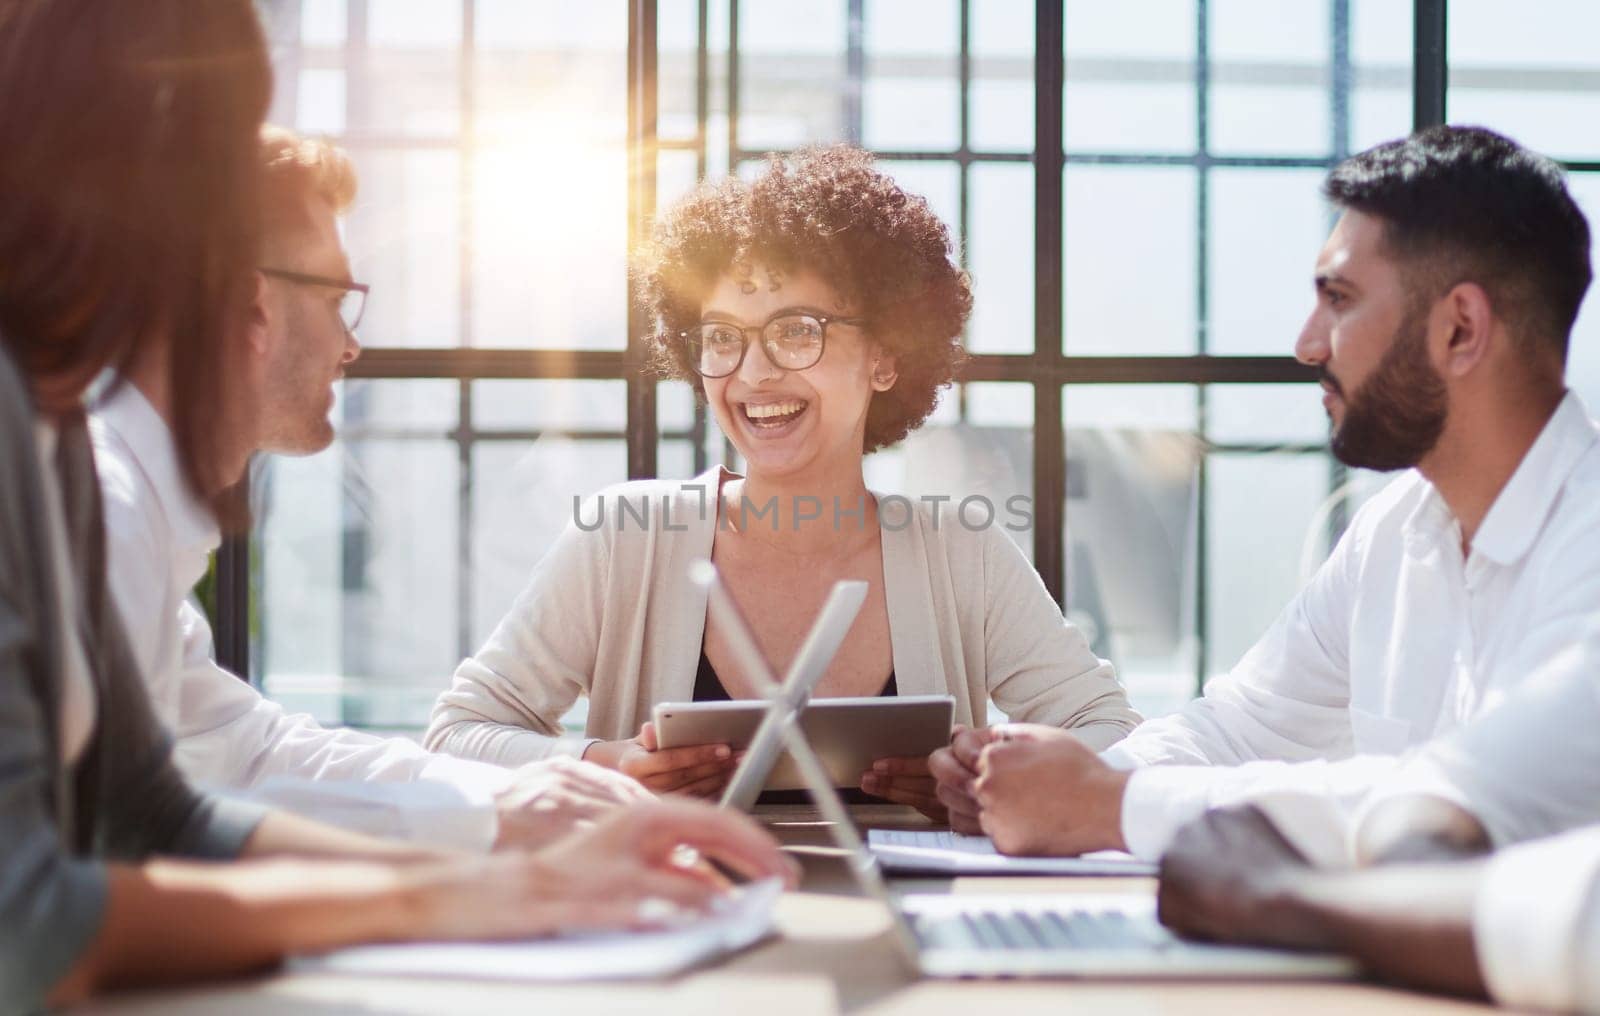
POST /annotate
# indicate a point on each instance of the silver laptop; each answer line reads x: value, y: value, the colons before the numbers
x: 1001, y: 935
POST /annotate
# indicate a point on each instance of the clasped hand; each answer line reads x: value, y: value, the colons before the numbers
x: 1030, y: 788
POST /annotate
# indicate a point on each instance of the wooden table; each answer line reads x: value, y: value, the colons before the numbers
x: 833, y: 954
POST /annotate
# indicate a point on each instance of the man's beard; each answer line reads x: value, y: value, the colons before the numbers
x: 1398, y: 413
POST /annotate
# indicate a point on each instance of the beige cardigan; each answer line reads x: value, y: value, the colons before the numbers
x: 611, y: 613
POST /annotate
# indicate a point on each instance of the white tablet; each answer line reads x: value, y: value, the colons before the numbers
x: 848, y: 734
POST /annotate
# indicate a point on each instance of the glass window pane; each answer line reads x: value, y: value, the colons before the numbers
x: 1533, y: 74
x: 523, y: 97
x: 375, y: 408
x: 1001, y: 118
x: 1583, y: 354
x: 674, y: 407
x: 676, y: 447
x: 323, y: 22
x: 406, y: 24
x: 910, y: 113
x: 1130, y: 77
x: 1269, y: 77
x: 320, y: 102
x: 1122, y: 117
x: 1153, y: 29
x: 1381, y: 35
x: 910, y: 98
x: 1266, y: 414
x: 358, y: 586
x: 523, y: 490
x: 1000, y: 95
x: 677, y: 46
x: 550, y: 241
x: 404, y: 236
x: 1540, y: 117
x: 978, y: 445
x: 1000, y: 252
x: 1126, y: 227
x: 1269, y: 119
x: 558, y: 26
x: 566, y: 404
x: 792, y: 76
x: 522, y: 498
x: 1153, y: 406
x: 1264, y: 231
x: 410, y: 91
x: 1264, y: 539
x: 1130, y: 550
x: 675, y: 459
x: 675, y: 177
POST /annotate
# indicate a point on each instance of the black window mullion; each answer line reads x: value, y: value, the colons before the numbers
x: 1429, y: 64
x: 561, y: 364
x: 642, y: 53
x: 1202, y: 554
x: 355, y: 537
x: 1341, y: 103
x: 464, y: 418
x: 733, y: 86
x: 702, y: 117
x: 1049, y: 433
x: 855, y: 68
x: 964, y: 163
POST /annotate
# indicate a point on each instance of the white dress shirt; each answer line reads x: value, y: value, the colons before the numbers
x: 1536, y: 923
x: 1529, y: 767
x: 229, y: 737
x: 1397, y: 640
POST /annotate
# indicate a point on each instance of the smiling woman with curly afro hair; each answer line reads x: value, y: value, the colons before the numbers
x: 832, y: 212
x: 852, y: 287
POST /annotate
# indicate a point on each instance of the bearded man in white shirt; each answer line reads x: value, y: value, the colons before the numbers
x: 228, y: 736
x: 1445, y: 296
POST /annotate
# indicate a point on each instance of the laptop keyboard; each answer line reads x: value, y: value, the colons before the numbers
x: 1034, y: 930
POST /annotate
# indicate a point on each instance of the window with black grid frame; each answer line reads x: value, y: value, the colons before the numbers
x: 1134, y: 188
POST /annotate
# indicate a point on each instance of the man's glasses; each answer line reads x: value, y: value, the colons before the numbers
x: 792, y: 342
x: 351, y: 305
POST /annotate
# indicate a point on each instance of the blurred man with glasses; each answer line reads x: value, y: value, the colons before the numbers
x: 300, y: 333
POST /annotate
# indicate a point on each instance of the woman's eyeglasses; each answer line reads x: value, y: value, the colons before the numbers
x: 791, y: 341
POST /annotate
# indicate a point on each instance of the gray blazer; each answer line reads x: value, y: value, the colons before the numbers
x: 124, y: 800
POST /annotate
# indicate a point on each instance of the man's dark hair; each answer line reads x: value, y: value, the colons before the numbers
x: 1464, y: 204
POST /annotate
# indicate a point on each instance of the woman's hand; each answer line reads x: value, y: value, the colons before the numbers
x: 630, y: 871
x: 699, y: 770
x: 905, y: 780
x: 546, y: 801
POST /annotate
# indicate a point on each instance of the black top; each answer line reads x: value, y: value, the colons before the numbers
x: 708, y: 688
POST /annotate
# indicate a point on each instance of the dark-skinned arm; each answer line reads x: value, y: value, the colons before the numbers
x: 1232, y: 877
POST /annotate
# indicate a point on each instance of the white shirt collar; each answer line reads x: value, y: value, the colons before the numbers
x: 1519, y: 511
x: 130, y: 417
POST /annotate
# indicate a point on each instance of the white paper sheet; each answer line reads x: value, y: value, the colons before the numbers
x: 741, y: 920
x: 950, y: 853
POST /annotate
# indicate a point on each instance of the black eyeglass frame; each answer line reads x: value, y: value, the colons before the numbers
x: 303, y: 279
x: 822, y: 320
